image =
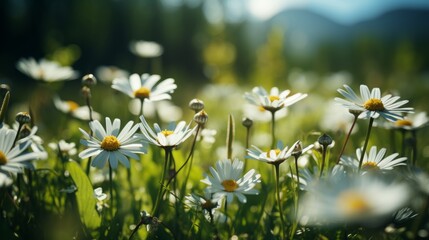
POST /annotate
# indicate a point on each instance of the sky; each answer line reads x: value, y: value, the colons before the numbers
x: 342, y: 11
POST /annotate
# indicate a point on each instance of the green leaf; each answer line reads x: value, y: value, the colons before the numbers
x: 84, y: 196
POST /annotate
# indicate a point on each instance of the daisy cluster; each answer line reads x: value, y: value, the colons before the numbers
x: 185, y: 188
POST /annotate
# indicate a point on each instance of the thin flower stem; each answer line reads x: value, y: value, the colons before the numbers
x: 323, y: 160
x: 371, y: 121
x: 403, y: 142
x: 88, y: 104
x: 17, y: 134
x: 277, y: 168
x: 111, y: 189
x: 296, y: 169
x: 190, y: 157
x: 273, y: 127
x: 160, y: 191
x: 414, y: 143
x: 347, y: 138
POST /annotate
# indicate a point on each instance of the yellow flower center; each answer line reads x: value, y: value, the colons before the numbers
x: 273, y: 98
x: 230, y: 185
x: 167, y: 132
x: 277, y: 151
x: 3, y: 159
x: 261, y: 109
x: 142, y: 93
x: 72, y: 105
x: 110, y: 143
x: 370, y: 166
x: 374, y: 104
x: 403, y: 122
x: 352, y: 203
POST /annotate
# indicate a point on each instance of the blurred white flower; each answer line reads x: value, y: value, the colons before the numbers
x: 72, y: 108
x: 146, y: 49
x: 410, y: 122
x: 165, y: 110
x: 65, y: 147
x: 351, y: 199
x: 258, y: 113
x: 273, y: 156
x: 208, y: 136
x: 337, y: 119
x: 46, y: 70
x: 106, y: 74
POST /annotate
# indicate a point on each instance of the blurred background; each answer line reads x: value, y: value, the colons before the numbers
x: 310, y: 46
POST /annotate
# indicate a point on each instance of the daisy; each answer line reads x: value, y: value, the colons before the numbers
x: 226, y: 180
x: 167, y: 138
x: 45, y: 70
x: 65, y: 147
x: 207, y: 204
x: 72, y: 108
x: 144, y: 88
x: 146, y: 49
x: 371, y: 104
x: 273, y: 156
x: 13, y: 159
x: 106, y: 74
x: 412, y: 121
x: 111, y: 144
x: 273, y: 101
x: 374, y: 160
x: 352, y: 199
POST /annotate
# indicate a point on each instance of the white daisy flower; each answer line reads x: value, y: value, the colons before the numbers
x: 371, y: 104
x: 273, y: 101
x: 72, y: 108
x: 13, y: 159
x: 374, y: 160
x: 107, y: 74
x: 170, y: 137
x: 273, y: 156
x: 146, y: 49
x: 65, y: 147
x: 352, y: 199
x: 46, y: 70
x: 165, y: 110
x: 337, y: 119
x: 111, y: 144
x: 412, y: 121
x: 145, y: 87
x: 98, y: 193
x: 206, y: 204
x: 226, y: 180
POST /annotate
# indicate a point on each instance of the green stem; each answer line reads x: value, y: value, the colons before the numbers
x: 17, y: 134
x: 160, y: 191
x: 273, y: 127
x: 111, y: 189
x: 323, y: 160
x: 296, y: 169
x: 277, y: 168
x: 371, y: 121
x: 347, y: 138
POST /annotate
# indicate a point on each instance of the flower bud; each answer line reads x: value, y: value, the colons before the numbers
x: 23, y: 117
x: 201, y: 117
x: 196, y: 105
x: 86, y: 92
x: 247, y: 122
x: 89, y: 80
x: 325, y: 140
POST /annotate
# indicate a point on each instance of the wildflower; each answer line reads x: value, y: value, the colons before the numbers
x: 374, y: 160
x: 46, y: 70
x: 165, y: 110
x: 196, y: 105
x: 409, y: 122
x: 64, y: 147
x: 208, y: 204
x: 89, y: 80
x: 337, y: 119
x: 167, y: 138
x: 106, y: 74
x: 13, y: 159
x: 351, y: 199
x: 207, y: 136
x: 371, y: 104
x: 111, y: 144
x: 273, y: 101
x: 29, y: 134
x: 273, y: 156
x: 226, y: 181
x: 146, y: 49
x: 72, y: 108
